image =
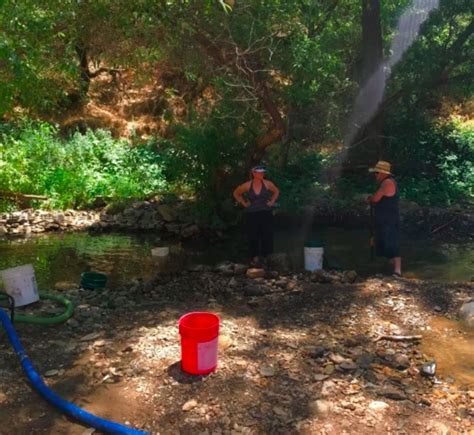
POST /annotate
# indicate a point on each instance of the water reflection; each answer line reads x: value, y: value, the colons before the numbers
x: 63, y: 257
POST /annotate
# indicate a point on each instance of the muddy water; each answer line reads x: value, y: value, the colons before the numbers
x: 452, y: 347
x: 63, y: 257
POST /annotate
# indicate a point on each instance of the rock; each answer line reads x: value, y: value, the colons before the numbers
x: 3, y: 230
x: 90, y: 337
x: 255, y: 273
x: 267, y: 371
x: 278, y: 410
x: 3, y: 398
x: 239, y: 269
x: 392, y: 393
x: 336, y: 358
x: 428, y: 369
x: 378, y: 405
x: 166, y: 213
x: 348, y: 365
x: 329, y: 369
x: 365, y: 360
x: 190, y: 231
x: 320, y: 377
x: 350, y: 276
x: 51, y: 373
x: 317, y: 352
x: 466, y: 314
x: 321, y: 407
x: 254, y: 290
x: 224, y: 342
x: 279, y: 262
x: 65, y: 286
x: 440, y: 428
x: 328, y: 388
x: 400, y: 361
x: 189, y: 405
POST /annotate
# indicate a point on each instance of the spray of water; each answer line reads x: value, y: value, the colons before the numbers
x: 371, y: 94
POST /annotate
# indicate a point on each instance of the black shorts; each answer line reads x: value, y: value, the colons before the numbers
x: 387, y: 240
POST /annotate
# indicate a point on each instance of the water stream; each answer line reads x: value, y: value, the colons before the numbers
x: 63, y: 257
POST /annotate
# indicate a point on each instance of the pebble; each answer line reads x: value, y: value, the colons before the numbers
x: 224, y: 342
x: 267, y: 371
x: 51, y: 373
x: 321, y: 407
x: 91, y: 337
x: 189, y: 405
x: 255, y: 273
x: 378, y: 405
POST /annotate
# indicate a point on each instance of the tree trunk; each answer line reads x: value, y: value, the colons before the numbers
x: 370, y: 135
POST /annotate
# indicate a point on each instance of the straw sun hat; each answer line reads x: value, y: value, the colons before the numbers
x: 382, y: 167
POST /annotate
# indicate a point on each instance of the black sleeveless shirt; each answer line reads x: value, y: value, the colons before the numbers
x: 258, y: 202
x: 387, y: 209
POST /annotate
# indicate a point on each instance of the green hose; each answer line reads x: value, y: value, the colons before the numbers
x: 65, y: 315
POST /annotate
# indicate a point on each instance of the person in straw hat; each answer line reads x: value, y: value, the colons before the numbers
x: 387, y: 217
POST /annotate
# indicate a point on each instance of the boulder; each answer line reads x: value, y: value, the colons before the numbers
x: 466, y: 314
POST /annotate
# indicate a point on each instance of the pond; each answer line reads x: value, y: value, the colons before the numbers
x: 63, y: 257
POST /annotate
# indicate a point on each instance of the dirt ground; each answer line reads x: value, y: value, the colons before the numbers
x: 299, y: 353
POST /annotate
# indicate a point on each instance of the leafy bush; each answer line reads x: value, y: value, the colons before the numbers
x: 73, y: 172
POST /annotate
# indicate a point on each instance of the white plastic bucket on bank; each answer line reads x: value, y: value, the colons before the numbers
x: 313, y: 256
x: 20, y: 284
x: 160, y: 252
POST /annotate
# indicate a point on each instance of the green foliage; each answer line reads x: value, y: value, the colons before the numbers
x: 440, y: 170
x: 73, y: 172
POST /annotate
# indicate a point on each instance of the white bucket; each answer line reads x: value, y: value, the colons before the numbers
x: 313, y: 258
x: 160, y: 252
x: 20, y: 283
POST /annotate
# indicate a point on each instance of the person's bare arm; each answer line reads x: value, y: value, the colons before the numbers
x: 239, y: 191
x: 275, y: 192
x: 387, y: 188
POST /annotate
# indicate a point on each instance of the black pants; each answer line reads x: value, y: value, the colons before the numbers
x: 387, y: 240
x: 260, y: 233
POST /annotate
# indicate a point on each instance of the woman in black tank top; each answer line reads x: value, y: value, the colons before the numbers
x: 258, y: 196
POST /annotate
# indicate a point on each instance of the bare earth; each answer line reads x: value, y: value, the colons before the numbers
x: 300, y: 353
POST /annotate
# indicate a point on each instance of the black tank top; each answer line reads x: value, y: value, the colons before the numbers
x: 258, y: 202
x: 387, y: 210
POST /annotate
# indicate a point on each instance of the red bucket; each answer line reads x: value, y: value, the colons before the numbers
x: 199, y: 339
